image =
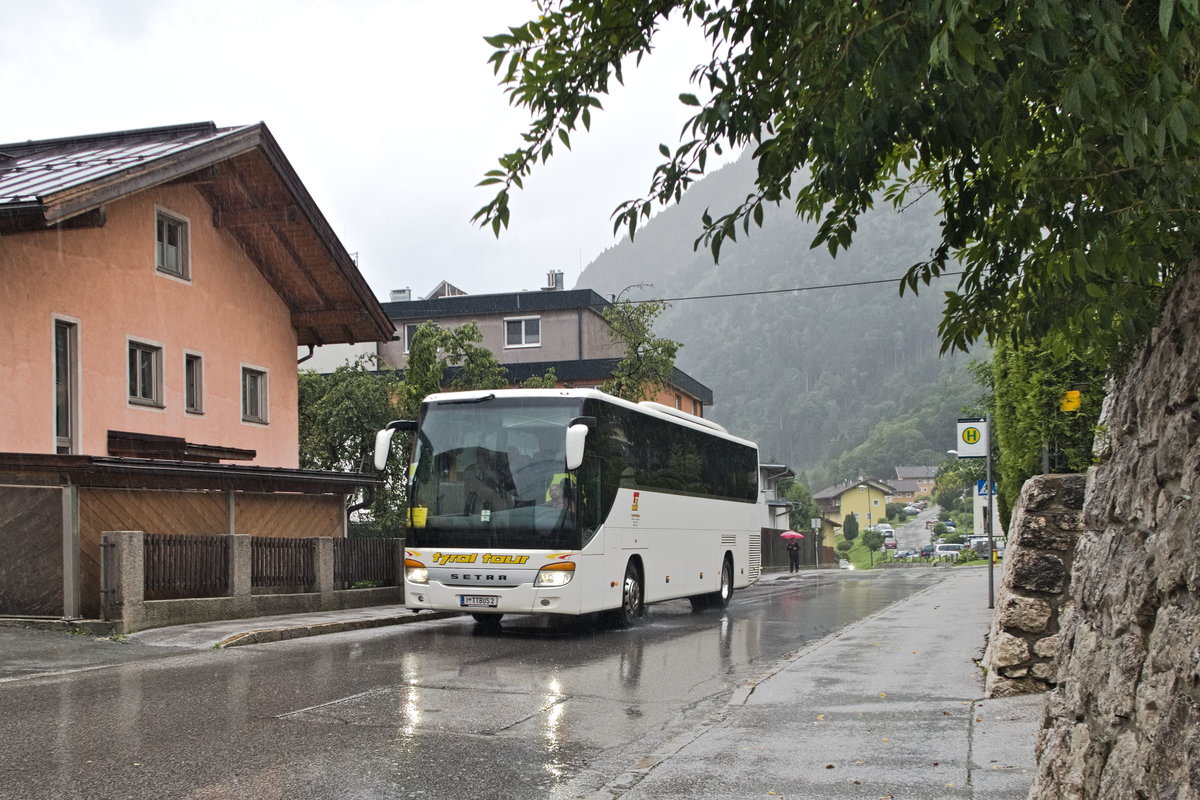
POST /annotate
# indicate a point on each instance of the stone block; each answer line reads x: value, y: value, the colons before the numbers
x: 1038, y: 572
x: 1006, y: 650
x: 1030, y: 614
x: 1047, y: 647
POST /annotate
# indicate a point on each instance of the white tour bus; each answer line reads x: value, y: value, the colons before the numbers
x: 571, y: 501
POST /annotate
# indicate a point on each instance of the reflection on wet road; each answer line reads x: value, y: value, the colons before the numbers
x: 433, y: 710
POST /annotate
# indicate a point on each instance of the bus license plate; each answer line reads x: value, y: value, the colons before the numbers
x: 478, y: 601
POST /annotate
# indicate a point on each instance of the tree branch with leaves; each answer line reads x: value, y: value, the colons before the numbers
x: 1062, y: 138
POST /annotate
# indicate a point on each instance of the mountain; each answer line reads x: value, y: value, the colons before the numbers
x: 840, y: 381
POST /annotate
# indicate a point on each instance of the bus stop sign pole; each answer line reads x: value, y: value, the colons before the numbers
x: 975, y: 441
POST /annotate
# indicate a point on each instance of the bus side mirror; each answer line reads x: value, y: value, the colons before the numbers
x: 383, y: 440
x: 576, y: 436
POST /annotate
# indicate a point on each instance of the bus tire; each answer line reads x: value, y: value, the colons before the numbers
x: 488, y: 622
x: 632, y: 606
x: 721, y: 597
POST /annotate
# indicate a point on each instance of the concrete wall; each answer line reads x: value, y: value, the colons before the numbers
x: 131, y: 612
x: 1124, y: 721
x: 104, y: 279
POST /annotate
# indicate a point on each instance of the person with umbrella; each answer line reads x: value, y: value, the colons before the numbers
x: 793, y: 549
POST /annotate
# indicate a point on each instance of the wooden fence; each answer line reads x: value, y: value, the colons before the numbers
x: 186, y: 566
x: 282, y: 564
x: 179, y: 566
x: 356, y: 560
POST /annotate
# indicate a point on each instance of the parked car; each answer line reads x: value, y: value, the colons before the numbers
x: 947, y: 550
x: 844, y: 564
x: 889, y: 543
x: 912, y: 511
x: 927, y: 551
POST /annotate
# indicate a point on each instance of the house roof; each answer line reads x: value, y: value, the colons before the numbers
x: 254, y: 193
x: 839, y: 490
x: 504, y: 303
x: 592, y: 371
x: 905, y: 485
x: 929, y: 473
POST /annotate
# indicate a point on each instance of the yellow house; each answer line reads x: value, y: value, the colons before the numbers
x: 865, y: 499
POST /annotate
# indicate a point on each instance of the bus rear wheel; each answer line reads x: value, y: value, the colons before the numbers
x: 721, y: 597
x: 631, y: 599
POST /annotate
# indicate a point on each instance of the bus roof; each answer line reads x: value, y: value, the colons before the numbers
x: 649, y: 408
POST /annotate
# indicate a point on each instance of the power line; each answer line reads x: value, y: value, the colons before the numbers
x: 781, y: 291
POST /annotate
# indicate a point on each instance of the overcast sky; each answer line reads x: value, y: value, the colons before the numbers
x: 387, y: 109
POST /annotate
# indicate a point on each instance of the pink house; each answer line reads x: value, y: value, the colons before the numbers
x: 154, y: 287
x: 156, y: 284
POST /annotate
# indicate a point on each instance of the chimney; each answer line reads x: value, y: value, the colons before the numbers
x: 554, y: 281
x: 400, y: 295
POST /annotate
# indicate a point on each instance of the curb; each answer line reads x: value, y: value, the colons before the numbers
x: 269, y: 635
x: 93, y: 627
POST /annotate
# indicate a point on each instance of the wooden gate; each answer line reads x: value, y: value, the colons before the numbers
x: 31, y: 551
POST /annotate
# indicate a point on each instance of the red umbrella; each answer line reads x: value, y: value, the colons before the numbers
x: 791, y: 535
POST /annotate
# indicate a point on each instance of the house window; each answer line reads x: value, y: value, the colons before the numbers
x: 145, y: 374
x: 523, y: 332
x: 254, y: 395
x: 66, y: 387
x: 410, y: 330
x: 171, y: 255
x: 193, y: 383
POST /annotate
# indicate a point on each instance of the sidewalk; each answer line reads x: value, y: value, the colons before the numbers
x: 890, y: 707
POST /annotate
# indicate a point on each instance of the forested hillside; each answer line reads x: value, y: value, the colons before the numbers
x: 835, y: 382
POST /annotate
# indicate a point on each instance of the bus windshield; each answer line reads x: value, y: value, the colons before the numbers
x: 491, y: 472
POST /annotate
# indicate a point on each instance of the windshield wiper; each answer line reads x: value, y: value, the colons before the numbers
x: 483, y: 399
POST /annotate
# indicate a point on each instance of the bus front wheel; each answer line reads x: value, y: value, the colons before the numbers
x: 631, y: 598
x: 488, y: 622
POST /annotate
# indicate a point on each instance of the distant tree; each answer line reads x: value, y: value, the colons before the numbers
x: 547, y: 381
x: 433, y: 350
x: 895, y: 510
x: 339, y: 414
x: 478, y: 367
x: 850, y: 528
x: 424, y: 373
x: 955, y: 477
x: 873, y: 540
x: 803, y: 509
x: 649, y: 361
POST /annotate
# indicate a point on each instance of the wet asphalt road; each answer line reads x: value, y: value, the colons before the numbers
x: 433, y: 710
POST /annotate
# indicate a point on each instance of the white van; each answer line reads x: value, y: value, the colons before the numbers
x: 947, y: 550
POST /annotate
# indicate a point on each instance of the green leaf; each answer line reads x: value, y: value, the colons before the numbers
x: 1166, y: 9
x: 689, y: 100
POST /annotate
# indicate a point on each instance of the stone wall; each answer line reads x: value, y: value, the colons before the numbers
x: 1033, y: 586
x: 1124, y: 721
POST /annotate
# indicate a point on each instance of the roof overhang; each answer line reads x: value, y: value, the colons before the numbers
x: 255, y: 195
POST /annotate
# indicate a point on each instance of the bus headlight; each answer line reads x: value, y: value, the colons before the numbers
x: 415, y: 571
x: 557, y: 574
